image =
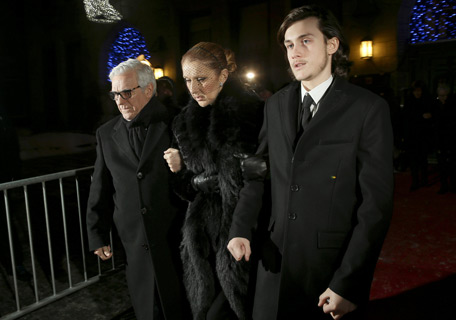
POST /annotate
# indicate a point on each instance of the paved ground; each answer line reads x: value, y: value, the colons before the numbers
x: 108, y: 299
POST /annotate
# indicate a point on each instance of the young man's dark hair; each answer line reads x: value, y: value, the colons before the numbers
x: 330, y: 28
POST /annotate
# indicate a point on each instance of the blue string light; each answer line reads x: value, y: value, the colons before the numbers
x: 433, y: 20
x: 129, y: 43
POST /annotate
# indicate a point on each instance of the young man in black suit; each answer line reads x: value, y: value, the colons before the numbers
x: 330, y: 162
x: 130, y: 188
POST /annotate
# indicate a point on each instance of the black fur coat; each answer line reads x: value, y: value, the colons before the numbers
x: 207, y: 138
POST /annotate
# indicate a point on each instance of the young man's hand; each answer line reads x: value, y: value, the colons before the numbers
x: 239, y: 248
x: 335, y: 305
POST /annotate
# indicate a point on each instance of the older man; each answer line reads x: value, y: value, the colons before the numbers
x: 130, y: 188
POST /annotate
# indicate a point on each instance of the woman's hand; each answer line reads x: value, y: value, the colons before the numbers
x: 174, y: 160
x: 205, y: 183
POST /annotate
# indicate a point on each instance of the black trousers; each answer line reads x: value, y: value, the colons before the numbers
x: 220, y: 309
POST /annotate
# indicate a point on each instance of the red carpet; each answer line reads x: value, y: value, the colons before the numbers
x: 420, y: 247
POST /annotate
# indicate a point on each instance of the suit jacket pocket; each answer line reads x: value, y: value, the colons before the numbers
x: 271, y: 257
x: 331, y: 240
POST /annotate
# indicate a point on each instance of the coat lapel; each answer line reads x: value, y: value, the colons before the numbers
x: 288, y: 107
x: 332, y: 99
x: 154, y: 133
x: 120, y: 137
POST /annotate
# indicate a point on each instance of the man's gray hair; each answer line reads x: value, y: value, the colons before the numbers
x: 144, y: 73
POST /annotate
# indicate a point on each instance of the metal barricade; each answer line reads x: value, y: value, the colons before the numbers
x: 25, y: 224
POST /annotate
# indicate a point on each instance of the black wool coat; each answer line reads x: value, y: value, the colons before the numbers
x: 332, y: 199
x: 207, y: 138
x: 135, y: 195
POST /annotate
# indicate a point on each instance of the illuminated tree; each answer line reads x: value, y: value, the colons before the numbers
x: 129, y: 43
x: 433, y: 20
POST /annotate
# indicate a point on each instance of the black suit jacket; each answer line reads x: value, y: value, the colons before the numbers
x: 134, y: 194
x: 331, y: 199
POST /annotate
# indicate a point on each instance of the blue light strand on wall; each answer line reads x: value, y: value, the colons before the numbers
x: 129, y: 43
x: 433, y: 20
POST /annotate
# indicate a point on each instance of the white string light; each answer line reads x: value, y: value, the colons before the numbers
x: 101, y: 11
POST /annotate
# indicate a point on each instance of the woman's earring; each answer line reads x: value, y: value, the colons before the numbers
x: 221, y: 84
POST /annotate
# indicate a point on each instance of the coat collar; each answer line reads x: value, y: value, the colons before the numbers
x: 236, y: 115
x: 289, y: 101
x: 332, y: 98
x: 155, y: 130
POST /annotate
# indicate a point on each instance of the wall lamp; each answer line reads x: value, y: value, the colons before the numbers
x: 250, y: 75
x: 366, y: 48
x: 158, y: 72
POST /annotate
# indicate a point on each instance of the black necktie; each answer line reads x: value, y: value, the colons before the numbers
x: 305, y: 111
x: 304, y: 117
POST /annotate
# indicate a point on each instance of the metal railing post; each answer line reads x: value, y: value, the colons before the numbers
x: 81, y: 233
x: 48, y: 232
x: 11, y: 246
x: 50, y: 239
x: 32, y: 251
x: 65, y: 232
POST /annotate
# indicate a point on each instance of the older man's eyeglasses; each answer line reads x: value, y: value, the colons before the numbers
x: 125, y: 94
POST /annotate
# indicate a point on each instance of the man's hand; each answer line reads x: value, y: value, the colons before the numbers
x: 240, y: 247
x: 173, y: 158
x: 335, y: 305
x: 104, y: 252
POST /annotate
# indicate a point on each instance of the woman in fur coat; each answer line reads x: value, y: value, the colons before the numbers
x: 222, y: 119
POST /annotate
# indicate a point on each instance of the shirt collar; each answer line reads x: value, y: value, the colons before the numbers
x: 317, y: 92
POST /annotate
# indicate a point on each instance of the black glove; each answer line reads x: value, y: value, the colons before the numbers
x: 205, y: 183
x: 254, y: 167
